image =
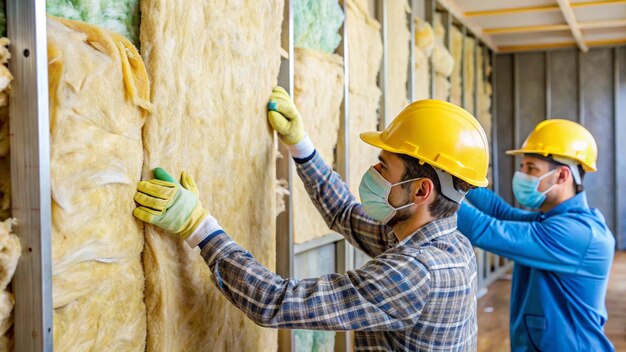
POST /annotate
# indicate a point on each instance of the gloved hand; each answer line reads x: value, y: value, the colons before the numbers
x: 169, y: 205
x: 284, y: 117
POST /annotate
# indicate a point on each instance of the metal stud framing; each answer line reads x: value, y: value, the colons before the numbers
x: 30, y: 153
x: 284, y: 225
x: 30, y: 174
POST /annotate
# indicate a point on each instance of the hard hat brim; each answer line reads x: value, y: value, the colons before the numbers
x: 374, y: 138
x: 522, y: 152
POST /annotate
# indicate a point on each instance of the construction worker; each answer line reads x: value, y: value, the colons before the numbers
x: 562, y: 253
x: 419, y: 290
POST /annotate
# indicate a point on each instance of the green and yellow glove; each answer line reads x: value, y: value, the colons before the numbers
x: 284, y: 117
x: 172, y: 206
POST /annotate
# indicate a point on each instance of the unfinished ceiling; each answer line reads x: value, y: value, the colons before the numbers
x: 542, y: 24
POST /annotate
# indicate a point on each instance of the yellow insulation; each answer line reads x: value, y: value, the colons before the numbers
x: 98, y: 96
x: 456, y: 48
x: 10, y: 251
x: 398, y: 43
x: 365, y: 51
x: 318, y: 93
x: 442, y: 61
x: 212, y: 66
x: 424, y: 46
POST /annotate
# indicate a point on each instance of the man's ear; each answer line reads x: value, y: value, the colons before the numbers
x: 424, y: 191
x: 564, y: 173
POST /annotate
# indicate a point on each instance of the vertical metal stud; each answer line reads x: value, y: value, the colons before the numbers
x: 548, y: 85
x: 494, y: 126
x: 581, y: 95
x: 30, y: 173
x: 344, y: 252
x: 475, y: 83
x: 411, y: 83
x: 447, y: 20
x: 464, y: 36
x: 616, y: 139
x: 381, y: 16
x: 284, y: 222
x: 431, y: 10
x: 516, y: 108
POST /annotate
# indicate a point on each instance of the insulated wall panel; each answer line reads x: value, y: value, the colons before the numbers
x: 597, y: 89
x: 532, y: 93
x: 98, y: 98
x: 398, y: 43
x: 318, y: 93
x: 505, y: 115
x: 212, y: 67
x: 564, y: 85
x: 364, y: 55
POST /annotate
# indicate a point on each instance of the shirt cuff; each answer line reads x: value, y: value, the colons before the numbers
x: 207, y: 227
x: 303, y: 149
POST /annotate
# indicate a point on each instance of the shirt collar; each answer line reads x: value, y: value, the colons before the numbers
x: 578, y: 201
x: 430, y: 231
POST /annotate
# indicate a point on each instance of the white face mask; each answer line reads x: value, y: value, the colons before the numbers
x: 374, y: 191
x: 525, y: 189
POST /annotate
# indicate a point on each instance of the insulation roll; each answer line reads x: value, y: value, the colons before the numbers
x: 98, y: 99
x: 398, y: 43
x: 365, y: 53
x: 318, y: 93
x: 212, y: 67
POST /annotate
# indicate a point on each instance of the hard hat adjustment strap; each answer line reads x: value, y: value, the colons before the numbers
x: 447, y: 186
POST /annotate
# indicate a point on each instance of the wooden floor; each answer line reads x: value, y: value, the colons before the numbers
x: 493, y: 311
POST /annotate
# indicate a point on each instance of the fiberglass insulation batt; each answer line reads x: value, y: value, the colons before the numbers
x: 98, y: 96
x: 456, y: 49
x: 318, y: 93
x: 398, y: 40
x: 10, y: 251
x: 442, y: 62
x: 424, y: 45
x: 212, y: 67
x: 365, y: 50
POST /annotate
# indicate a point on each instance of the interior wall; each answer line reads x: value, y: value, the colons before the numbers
x: 589, y: 88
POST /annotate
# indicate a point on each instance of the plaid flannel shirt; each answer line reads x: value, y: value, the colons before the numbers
x: 414, y: 295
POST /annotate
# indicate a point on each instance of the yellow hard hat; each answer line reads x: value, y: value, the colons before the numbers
x: 562, y: 138
x: 440, y: 134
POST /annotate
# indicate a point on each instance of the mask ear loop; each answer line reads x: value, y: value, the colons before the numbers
x: 403, y: 206
x: 549, y: 188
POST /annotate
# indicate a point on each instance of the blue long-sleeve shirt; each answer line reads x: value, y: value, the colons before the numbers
x: 562, y: 263
x: 415, y: 295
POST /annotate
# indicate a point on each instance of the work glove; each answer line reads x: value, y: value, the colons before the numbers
x: 167, y: 204
x: 284, y: 117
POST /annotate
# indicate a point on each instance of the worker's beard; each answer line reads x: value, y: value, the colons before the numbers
x: 402, y: 214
